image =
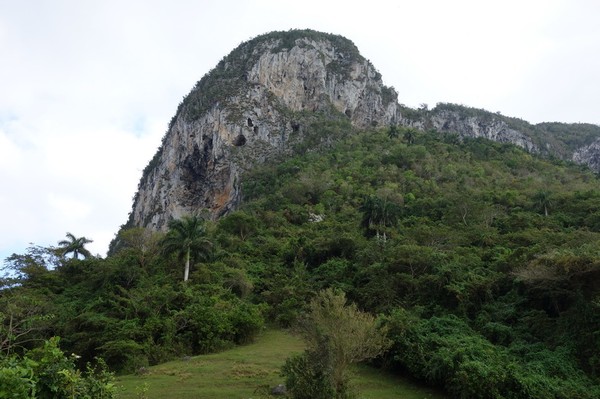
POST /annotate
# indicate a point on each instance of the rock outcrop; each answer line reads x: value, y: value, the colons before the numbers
x: 257, y: 103
x: 589, y: 155
x: 491, y: 128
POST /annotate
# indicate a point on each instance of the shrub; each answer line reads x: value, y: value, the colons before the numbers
x: 446, y: 352
x: 308, y: 376
x: 337, y: 335
x: 46, y: 373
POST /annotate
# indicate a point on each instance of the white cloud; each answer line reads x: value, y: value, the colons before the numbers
x: 69, y: 207
x: 88, y: 88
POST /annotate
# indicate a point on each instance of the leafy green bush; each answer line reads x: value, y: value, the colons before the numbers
x: 246, y: 321
x: 17, y: 378
x: 46, y: 373
x: 337, y: 335
x: 209, y: 324
x: 308, y: 376
x: 446, y: 352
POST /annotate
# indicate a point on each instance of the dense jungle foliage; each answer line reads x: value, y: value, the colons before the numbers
x: 482, y: 260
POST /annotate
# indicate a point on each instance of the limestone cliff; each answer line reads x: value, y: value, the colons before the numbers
x: 576, y: 142
x: 589, y: 155
x: 258, y: 102
x: 448, y: 121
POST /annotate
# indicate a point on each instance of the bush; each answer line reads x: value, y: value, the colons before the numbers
x: 446, y: 352
x: 46, y: 373
x: 308, y: 376
x: 247, y: 321
x: 17, y: 378
x: 337, y: 335
x: 213, y: 324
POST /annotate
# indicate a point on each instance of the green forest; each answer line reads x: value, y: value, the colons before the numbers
x: 479, y: 261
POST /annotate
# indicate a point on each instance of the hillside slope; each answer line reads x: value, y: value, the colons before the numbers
x: 273, y: 94
x: 250, y: 371
x: 483, y: 258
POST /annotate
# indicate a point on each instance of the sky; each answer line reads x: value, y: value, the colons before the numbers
x: 88, y: 87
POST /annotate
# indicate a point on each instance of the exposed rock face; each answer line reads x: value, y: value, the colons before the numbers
x: 589, y: 155
x: 472, y: 126
x: 259, y: 110
x: 579, y: 142
x: 262, y: 99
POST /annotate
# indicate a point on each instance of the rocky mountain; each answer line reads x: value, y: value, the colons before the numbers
x: 277, y: 91
x: 258, y: 102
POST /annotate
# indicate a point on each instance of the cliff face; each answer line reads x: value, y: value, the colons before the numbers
x: 588, y: 155
x: 257, y: 103
x: 491, y: 128
x: 265, y: 97
x: 576, y: 142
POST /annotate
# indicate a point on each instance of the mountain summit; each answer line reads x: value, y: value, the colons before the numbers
x: 257, y: 102
x: 277, y: 92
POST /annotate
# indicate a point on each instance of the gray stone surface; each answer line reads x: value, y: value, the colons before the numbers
x: 201, y: 160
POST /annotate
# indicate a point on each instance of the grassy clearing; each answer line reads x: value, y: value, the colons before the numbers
x: 247, y: 372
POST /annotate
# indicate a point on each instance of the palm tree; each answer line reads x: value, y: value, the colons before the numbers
x: 394, y: 132
x: 409, y: 135
x: 186, y: 238
x: 378, y: 214
x: 543, y: 200
x: 74, y: 245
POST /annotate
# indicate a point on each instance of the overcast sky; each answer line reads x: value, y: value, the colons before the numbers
x: 87, y: 88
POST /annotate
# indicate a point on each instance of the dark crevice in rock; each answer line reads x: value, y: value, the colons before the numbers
x: 240, y: 140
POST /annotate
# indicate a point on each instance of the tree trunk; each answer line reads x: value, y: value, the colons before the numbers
x: 187, y: 265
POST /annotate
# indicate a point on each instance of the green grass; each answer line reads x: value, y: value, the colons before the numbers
x: 246, y: 371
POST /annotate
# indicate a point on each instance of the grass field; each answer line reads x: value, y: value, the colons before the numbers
x: 247, y: 372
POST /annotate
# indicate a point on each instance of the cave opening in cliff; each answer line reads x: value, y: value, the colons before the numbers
x: 239, y: 140
x: 250, y: 123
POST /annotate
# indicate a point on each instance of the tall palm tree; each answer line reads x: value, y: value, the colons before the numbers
x: 543, y: 199
x: 186, y: 238
x: 378, y: 214
x: 74, y: 245
x: 409, y: 135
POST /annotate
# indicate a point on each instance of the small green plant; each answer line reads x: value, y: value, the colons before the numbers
x: 142, y: 391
